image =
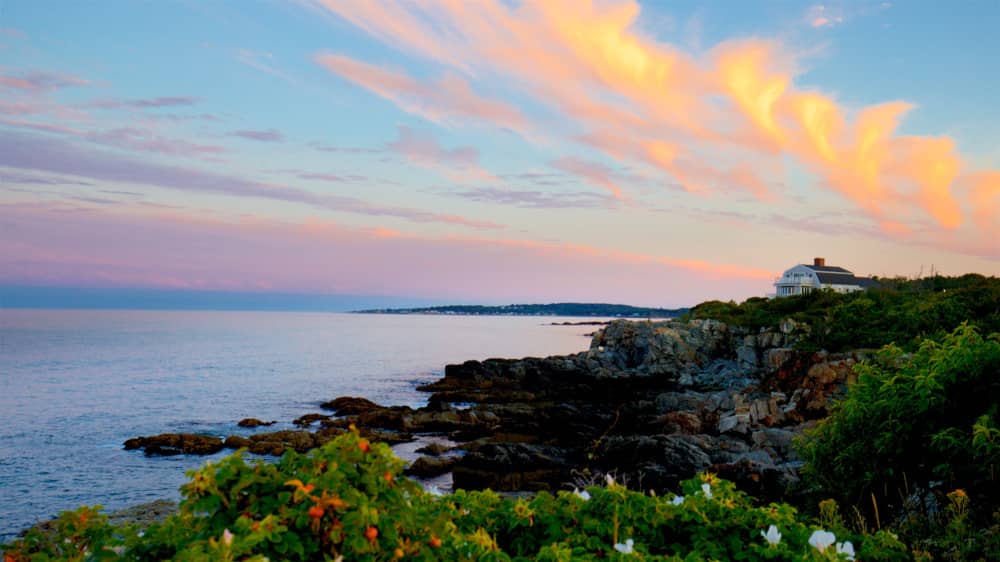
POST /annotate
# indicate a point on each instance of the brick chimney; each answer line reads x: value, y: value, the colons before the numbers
x: 819, y: 262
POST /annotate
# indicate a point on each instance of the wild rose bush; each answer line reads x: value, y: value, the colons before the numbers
x: 349, y: 501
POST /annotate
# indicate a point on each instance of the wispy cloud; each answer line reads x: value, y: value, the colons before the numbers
x: 269, y: 135
x: 820, y: 15
x: 147, y: 103
x: 332, y: 178
x: 535, y: 199
x: 727, y: 118
x: 595, y: 173
x: 39, y: 81
x: 449, y: 100
x: 323, y: 147
x: 421, y: 148
x: 31, y: 152
x: 260, y: 60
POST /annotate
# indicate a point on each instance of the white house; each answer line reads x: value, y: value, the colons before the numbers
x: 803, y: 279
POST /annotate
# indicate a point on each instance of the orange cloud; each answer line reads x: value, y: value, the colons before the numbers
x: 735, y: 109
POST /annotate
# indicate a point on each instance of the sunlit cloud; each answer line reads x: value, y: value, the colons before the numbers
x: 710, y: 122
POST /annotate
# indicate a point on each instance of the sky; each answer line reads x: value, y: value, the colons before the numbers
x: 495, y: 151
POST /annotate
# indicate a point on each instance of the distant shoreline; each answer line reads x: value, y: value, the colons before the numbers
x: 574, y: 310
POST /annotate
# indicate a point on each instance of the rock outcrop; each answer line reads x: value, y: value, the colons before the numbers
x: 652, y: 403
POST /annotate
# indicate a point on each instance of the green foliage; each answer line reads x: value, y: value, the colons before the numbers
x: 348, y: 501
x: 913, y: 422
x: 903, y: 312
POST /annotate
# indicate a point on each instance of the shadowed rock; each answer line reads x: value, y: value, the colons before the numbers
x: 168, y: 444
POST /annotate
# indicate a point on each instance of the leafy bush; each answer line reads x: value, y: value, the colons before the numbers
x: 903, y: 312
x: 348, y: 501
x: 913, y: 423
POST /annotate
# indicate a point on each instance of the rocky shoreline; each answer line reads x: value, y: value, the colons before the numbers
x: 651, y: 402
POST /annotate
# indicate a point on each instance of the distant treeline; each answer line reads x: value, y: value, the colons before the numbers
x: 901, y: 311
x: 555, y: 309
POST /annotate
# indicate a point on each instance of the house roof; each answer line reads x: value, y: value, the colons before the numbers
x: 849, y: 278
x: 827, y: 269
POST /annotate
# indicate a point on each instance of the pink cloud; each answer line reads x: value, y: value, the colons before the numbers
x: 448, y: 100
x: 421, y: 148
x: 39, y: 81
x: 595, y: 173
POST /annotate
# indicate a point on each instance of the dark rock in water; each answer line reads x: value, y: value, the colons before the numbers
x: 167, y: 444
x: 389, y: 437
x: 350, y: 406
x: 236, y: 442
x: 428, y: 467
x: 308, y: 419
x: 254, y: 422
x: 434, y: 449
x: 511, y: 467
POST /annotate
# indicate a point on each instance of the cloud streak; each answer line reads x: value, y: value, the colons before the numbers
x: 269, y: 135
x: 30, y: 152
x: 147, y: 103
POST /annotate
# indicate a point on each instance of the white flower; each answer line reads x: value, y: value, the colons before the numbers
x: 625, y: 548
x: 584, y: 495
x: 772, y: 536
x: 822, y: 540
x: 609, y: 479
x: 227, y: 538
x: 678, y: 500
x: 846, y: 548
x: 706, y: 488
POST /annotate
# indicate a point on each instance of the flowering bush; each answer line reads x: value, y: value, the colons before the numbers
x: 348, y: 501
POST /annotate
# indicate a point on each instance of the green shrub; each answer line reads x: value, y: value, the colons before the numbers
x: 913, y: 423
x: 347, y: 500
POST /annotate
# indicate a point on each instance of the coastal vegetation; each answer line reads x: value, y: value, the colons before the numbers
x: 902, y: 312
x: 349, y: 501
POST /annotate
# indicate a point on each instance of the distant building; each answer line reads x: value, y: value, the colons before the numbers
x: 803, y: 279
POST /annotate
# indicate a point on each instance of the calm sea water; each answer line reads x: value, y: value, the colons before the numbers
x: 74, y: 384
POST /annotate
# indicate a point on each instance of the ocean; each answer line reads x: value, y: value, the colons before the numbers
x: 75, y: 384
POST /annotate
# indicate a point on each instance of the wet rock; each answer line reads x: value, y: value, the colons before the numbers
x: 428, y: 467
x: 350, y: 406
x: 168, y: 444
x: 434, y: 449
x: 254, y: 422
x: 308, y: 419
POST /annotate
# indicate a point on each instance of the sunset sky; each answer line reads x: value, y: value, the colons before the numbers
x: 653, y: 153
